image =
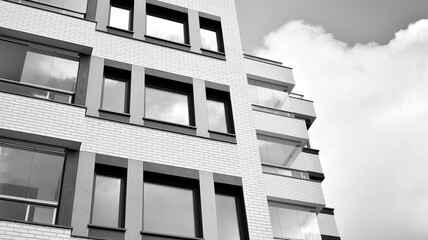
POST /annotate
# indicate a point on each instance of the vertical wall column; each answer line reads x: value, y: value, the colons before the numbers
x: 95, y: 86
x: 194, y: 31
x: 208, y: 205
x: 101, y: 17
x: 139, y: 24
x: 201, y: 111
x: 83, y: 194
x: 134, y: 199
x: 137, y: 95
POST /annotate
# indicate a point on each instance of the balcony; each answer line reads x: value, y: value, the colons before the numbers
x: 294, y: 191
x: 264, y: 69
x: 308, y: 160
x: 283, y: 127
x: 302, y: 108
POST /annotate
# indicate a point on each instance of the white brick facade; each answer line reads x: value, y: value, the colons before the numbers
x: 64, y: 121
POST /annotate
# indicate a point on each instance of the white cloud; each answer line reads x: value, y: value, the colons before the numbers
x: 372, y: 106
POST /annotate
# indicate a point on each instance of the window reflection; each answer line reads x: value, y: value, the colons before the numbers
x: 167, y: 106
x: 278, y: 151
x: 49, y: 71
x: 106, y: 206
x: 165, y: 29
x: 292, y: 222
x: 120, y: 18
x: 217, y: 116
x: 269, y: 95
x: 209, y: 40
x: 29, y: 174
x: 169, y: 209
x: 73, y: 5
x: 227, y: 217
x: 115, y: 95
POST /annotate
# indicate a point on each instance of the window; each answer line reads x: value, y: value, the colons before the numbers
x: 108, y: 206
x: 269, y: 95
x: 169, y: 101
x: 30, y: 183
x: 211, y: 35
x: 171, y: 205
x: 75, y: 8
x: 116, y: 90
x: 219, y: 111
x: 38, y: 73
x: 121, y: 14
x: 167, y: 24
x: 231, y: 221
x: 293, y: 222
x: 278, y: 151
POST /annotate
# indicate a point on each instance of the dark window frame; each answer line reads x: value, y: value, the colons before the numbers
x: 222, y: 96
x: 127, y: 5
x: 179, y: 182
x: 121, y: 75
x: 22, y: 88
x: 116, y: 172
x: 170, y: 85
x: 170, y: 15
x: 39, y: 148
x: 214, y: 26
x: 237, y: 192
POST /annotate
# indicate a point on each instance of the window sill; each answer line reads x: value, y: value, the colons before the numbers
x: 37, y: 224
x: 52, y: 9
x: 21, y: 92
x: 120, y: 31
x: 115, y: 116
x: 107, y: 228
x: 174, y: 127
x: 167, y: 43
x: 168, y: 236
x: 213, y: 54
x: 225, y: 137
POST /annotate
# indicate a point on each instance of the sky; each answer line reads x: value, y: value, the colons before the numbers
x: 365, y: 65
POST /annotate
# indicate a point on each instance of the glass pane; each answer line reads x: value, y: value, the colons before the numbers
x: 284, y: 172
x: 12, y: 57
x: 289, y: 223
x: 15, y: 165
x: 168, y: 210
x: 265, y: 97
x: 114, y: 95
x: 64, y: 74
x: 167, y: 106
x: 274, y: 219
x: 263, y: 151
x: 227, y: 217
x: 119, y: 18
x: 45, y: 177
x: 37, y: 69
x: 280, y: 100
x: 41, y: 214
x: 253, y: 94
x: 76, y: 5
x: 48, y: 71
x: 276, y: 153
x: 269, y: 169
x: 165, y: 29
x: 57, y: 3
x: 309, y: 225
x: 106, y: 204
x: 209, y: 40
x: 13, y: 210
x: 217, y: 116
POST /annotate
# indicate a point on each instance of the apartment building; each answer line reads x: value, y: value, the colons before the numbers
x: 144, y: 119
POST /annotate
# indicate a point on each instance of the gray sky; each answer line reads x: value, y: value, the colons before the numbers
x: 371, y: 101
